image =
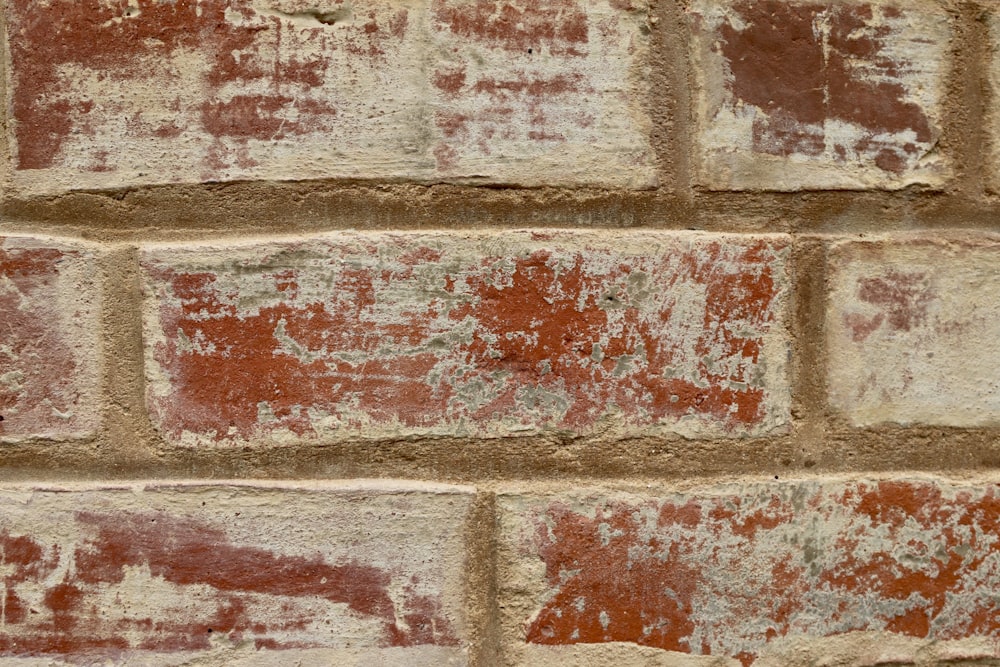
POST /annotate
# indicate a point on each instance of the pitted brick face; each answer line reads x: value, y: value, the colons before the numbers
x: 115, y: 93
x: 49, y: 349
x: 842, y: 94
x: 134, y: 574
x: 384, y: 335
x: 725, y: 572
x: 909, y: 322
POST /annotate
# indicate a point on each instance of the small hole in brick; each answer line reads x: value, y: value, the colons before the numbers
x: 210, y: 631
x: 529, y: 50
x: 776, y: 477
x: 1, y: 418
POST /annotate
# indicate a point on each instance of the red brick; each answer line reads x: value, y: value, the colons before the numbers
x: 268, y: 574
x: 49, y: 342
x: 757, y: 570
x: 109, y: 94
x: 391, y: 334
x: 820, y: 94
x: 910, y: 321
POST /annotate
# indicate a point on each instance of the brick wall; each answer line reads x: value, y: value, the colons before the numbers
x: 500, y: 332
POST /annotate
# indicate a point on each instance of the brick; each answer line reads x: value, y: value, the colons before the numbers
x: 794, y: 95
x: 541, y: 92
x: 910, y: 320
x: 891, y: 571
x: 110, y: 94
x: 262, y: 574
x: 387, y: 335
x: 49, y: 340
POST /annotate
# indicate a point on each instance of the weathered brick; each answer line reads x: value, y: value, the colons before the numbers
x: 881, y: 572
x: 910, y: 321
x: 49, y: 339
x: 263, y: 574
x: 541, y: 92
x: 392, y: 334
x: 109, y: 94
x: 797, y: 94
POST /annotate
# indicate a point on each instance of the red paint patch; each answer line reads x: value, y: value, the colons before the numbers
x: 861, y: 327
x: 108, y: 94
x: 496, y: 109
x: 185, y: 553
x: 560, y: 26
x: 723, y: 575
x: 248, y: 359
x: 594, y: 607
x: 257, y: 116
x: 450, y: 81
x: 903, y: 296
x: 799, y: 63
x: 536, y: 330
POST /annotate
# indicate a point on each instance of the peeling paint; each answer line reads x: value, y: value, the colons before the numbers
x: 172, y: 570
x: 106, y: 93
x: 820, y: 95
x: 393, y: 334
x: 726, y: 571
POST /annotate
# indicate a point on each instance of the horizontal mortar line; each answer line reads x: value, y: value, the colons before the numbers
x: 420, y: 196
x: 749, y: 221
x: 81, y: 470
x: 541, y: 483
x: 886, y: 435
x: 423, y: 190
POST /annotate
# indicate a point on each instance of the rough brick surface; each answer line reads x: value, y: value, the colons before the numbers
x: 107, y: 94
x: 541, y: 92
x: 392, y: 334
x: 757, y: 570
x: 799, y: 94
x: 911, y: 322
x: 49, y: 339
x: 263, y: 574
